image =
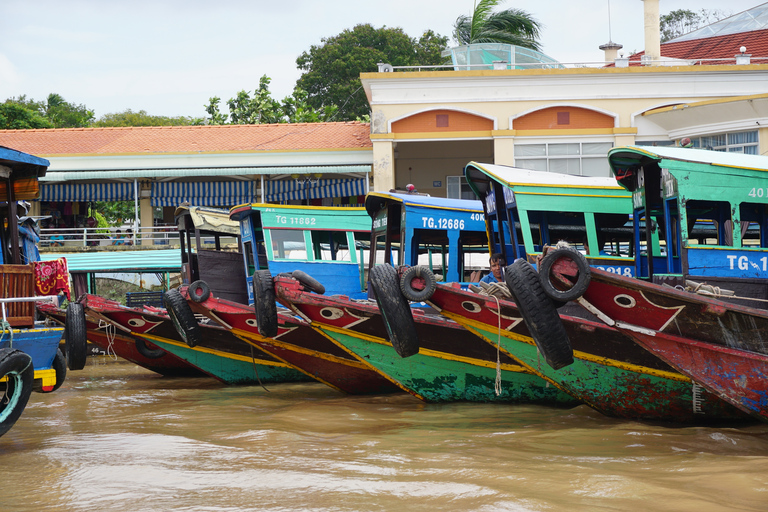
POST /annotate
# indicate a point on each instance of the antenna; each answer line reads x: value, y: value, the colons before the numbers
x: 609, y: 21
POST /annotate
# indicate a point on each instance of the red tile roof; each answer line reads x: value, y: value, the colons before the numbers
x: 717, y: 47
x: 189, y: 139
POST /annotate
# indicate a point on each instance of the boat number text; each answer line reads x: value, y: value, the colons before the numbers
x: 743, y: 263
x: 758, y: 192
x: 295, y: 221
x: 622, y: 271
x: 432, y: 223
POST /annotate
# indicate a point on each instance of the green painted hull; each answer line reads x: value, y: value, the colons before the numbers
x: 624, y: 392
x: 436, y: 379
x: 231, y: 368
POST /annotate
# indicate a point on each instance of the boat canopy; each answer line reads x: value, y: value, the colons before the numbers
x: 209, y: 219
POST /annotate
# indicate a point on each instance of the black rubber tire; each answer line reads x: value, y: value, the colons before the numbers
x: 308, y: 282
x: 17, y: 366
x: 182, y: 317
x: 75, y: 337
x: 199, y: 291
x: 539, y: 314
x: 418, y: 272
x: 582, y: 281
x: 144, y: 350
x: 395, y: 311
x: 60, y: 365
x: 264, y: 303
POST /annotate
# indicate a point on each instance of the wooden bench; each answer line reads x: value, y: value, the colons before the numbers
x: 138, y: 299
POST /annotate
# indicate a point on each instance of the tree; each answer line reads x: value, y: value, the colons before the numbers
x: 14, y: 116
x: 331, y: 71
x: 59, y: 112
x: 679, y: 22
x: 141, y: 118
x: 262, y: 108
x: 511, y: 26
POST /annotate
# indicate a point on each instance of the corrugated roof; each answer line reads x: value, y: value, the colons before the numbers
x: 158, y: 260
x: 189, y: 139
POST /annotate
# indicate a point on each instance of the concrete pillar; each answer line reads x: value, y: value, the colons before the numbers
x: 652, y: 31
x: 383, y: 165
x: 146, y: 218
x: 611, y: 51
x: 504, y: 151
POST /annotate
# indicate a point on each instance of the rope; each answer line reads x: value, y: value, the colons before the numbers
x: 715, y: 291
x: 6, y: 328
x: 497, y: 384
x: 255, y: 369
x: 109, y: 330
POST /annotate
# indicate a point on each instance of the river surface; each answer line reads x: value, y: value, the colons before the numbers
x: 116, y: 437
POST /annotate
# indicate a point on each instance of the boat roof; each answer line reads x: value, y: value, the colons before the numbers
x: 204, y: 218
x: 375, y: 201
x: 19, y: 161
x: 152, y: 260
x: 478, y: 175
x: 621, y: 157
x: 291, y: 216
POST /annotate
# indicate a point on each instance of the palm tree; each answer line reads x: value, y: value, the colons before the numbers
x: 511, y: 26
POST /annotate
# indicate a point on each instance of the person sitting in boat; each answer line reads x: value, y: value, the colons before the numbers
x: 497, y: 271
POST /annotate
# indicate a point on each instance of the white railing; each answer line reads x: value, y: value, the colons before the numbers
x: 95, y: 237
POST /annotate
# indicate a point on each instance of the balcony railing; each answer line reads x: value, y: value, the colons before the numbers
x: 158, y: 236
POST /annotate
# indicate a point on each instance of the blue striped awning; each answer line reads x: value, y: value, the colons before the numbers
x: 87, y: 192
x: 209, y: 193
x: 286, y: 190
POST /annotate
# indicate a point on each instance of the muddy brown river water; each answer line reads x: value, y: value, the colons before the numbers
x: 116, y: 437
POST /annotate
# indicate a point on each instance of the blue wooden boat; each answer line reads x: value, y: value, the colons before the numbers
x: 29, y: 351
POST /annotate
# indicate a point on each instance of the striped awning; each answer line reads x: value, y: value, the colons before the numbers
x: 286, y: 190
x: 87, y: 192
x: 208, y: 193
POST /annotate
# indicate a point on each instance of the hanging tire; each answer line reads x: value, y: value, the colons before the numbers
x: 60, y: 365
x: 308, y: 282
x: 582, y: 278
x: 17, y: 367
x: 75, y: 337
x: 182, y: 317
x: 418, y: 283
x: 539, y: 314
x: 395, y: 311
x: 144, y: 350
x: 199, y: 291
x: 264, y: 303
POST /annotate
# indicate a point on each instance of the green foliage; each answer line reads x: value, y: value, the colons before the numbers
x: 141, y: 118
x: 511, y: 26
x: 332, y: 70
x: 681, y: 21
x: 58, y: 112
x: 17, y: 117
x: 113, y: 213
x: 263, y: 109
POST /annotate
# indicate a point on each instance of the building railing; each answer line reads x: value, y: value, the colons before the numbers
x: 158, y: 236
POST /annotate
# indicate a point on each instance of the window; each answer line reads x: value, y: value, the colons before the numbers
x: 458, y: 188
x: 738, y: 142
x: 288, y: 244
x: 330, y: 246
x: 578, y: 158
x: 709, y: 223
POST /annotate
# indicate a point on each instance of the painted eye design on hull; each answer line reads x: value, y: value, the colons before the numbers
x: 136, y: 322
x: 251, y: 322
x: 625, y: 301
x: 331, y: 313
x: 471, y: 307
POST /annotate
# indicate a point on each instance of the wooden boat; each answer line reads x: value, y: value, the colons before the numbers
x: 713, y: 336
x: 29, y: 351
x: 610, y: 372
x: 326, y: 241
x: 113, y: 341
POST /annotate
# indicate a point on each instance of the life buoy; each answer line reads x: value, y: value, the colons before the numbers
x: 182, y: 317
x: 553, y: 288
x: 199, y: 291
x: 144, y: 350
x: 17, y: 367
x: 418, y: 283
x: 395, y: 311
x: 264, y: 303
x: 539, y: 314
x: 308, y: 282
x: 75, y: 336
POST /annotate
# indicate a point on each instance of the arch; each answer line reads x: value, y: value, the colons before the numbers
x: 564, y: 117
x: 442, y: 120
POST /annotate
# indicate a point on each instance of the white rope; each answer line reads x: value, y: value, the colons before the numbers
x: 497, y: 384
x: 109, y: 330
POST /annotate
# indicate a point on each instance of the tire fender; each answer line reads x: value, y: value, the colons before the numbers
x: 395, y: 311
x: 17, y: 367
x: 264, y: 303
x: 550, y: 282
x: 182, y: 317
x: 144, y: 350
x: 75, y: 336
x: 418, y: 283
x: 308, y: 282
x: 199, y: 291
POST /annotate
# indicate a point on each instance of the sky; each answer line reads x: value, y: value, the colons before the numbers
x: 168, y: 57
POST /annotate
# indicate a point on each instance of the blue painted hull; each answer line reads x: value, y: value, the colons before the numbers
x: 40, y: 343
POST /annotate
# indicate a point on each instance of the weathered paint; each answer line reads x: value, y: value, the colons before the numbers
x: 608, y: 372
x: 737, y: 376
x: 298, y: 345
x: 230, y: 368
x: 451, y: 364
x: 40, y: 344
